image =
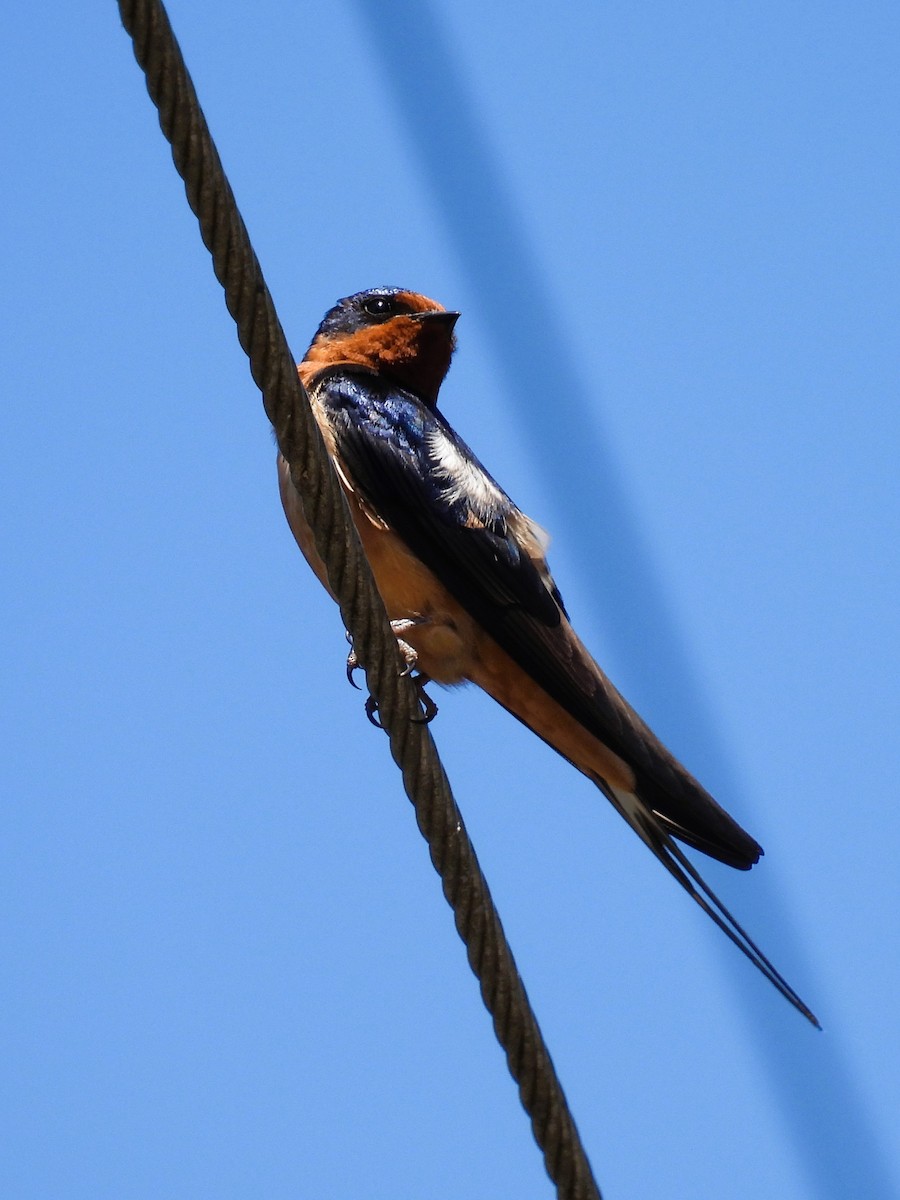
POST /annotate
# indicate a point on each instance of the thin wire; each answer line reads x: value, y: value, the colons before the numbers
x: 287, y: 407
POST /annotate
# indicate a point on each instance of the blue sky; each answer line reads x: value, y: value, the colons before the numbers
x: 227, y: 967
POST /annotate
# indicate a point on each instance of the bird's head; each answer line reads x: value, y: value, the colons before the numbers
x: 398, y: 333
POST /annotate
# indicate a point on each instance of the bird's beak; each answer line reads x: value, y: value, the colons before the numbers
x: 438, y: 316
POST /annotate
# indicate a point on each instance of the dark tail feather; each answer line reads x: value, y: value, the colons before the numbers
x: 687, y: 811
x: 647, y: 825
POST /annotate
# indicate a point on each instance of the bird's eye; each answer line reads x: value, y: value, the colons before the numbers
x: 380, y: 307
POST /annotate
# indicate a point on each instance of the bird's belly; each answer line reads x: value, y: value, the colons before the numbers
x: 441, y: 632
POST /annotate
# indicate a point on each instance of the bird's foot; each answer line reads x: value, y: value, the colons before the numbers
x: 410, y: 657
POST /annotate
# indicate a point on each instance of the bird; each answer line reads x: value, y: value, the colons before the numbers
x: 463, y: 575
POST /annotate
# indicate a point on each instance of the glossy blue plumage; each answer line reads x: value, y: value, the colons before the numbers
x: 456, y: 520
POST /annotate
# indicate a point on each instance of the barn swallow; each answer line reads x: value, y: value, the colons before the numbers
x: 464, y: 578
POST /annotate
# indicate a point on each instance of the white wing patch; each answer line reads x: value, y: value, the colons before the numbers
x: 465, y: 479
x: 539, y: 533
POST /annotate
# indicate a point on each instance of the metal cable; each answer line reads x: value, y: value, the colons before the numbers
x: 287, y: 407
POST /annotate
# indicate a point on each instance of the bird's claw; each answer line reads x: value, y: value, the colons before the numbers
x: 429, y: 708
x: 353, y: 665
x: 372, y: 712
x: 410, y: 657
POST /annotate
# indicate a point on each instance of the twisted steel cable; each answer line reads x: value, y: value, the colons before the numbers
x: 287, y: 407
